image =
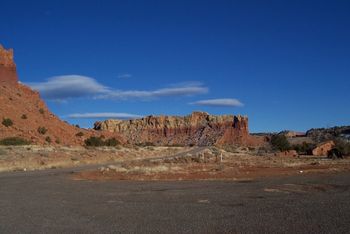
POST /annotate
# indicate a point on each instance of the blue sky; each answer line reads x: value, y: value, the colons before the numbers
x: 285, y: 64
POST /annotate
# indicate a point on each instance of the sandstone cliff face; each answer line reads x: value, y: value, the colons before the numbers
x: 7, y: 66
x: 199, y: 128
x: 28, y: 112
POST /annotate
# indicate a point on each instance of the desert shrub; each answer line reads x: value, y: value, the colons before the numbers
x: 304, y: 148
x: 98, y: 141
x: 57, y: 141
x: 343, y: 146
x: 334, y: 154
x: 41, y: 111
x: 111, y: 142
x: 14, y: 141
x: 24, y: 116
x: 280, y: 142
x: 42, y: 130
x: 79, y: 134
x: 48, y: 139
x: 7, y: 122
x: 77, y: 126
x: 94, y: 141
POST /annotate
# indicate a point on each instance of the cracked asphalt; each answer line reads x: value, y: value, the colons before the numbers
x: 51, y: 202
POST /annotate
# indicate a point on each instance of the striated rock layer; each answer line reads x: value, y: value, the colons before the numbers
x: 28, y: 112
x: 199, y: 128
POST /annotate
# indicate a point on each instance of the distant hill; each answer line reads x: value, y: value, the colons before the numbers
x: 322, y: 134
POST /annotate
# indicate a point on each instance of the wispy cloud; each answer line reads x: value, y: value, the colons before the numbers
x: 70, y: 86
x: 223, y: 102
x: 103, y: 115
x: 124, y: 76
x: 165, y: 92
x: 76, y: 86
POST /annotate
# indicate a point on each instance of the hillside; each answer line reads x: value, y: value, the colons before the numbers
x: 28, y: 113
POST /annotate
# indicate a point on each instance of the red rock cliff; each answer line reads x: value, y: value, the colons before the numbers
x: 199, y: 128
x: 7, y: 67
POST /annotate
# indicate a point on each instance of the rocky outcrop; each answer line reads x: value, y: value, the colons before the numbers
x: 323, y: 148
x: 8, y: 72
x: 27, y: 112
x: 198, y: 128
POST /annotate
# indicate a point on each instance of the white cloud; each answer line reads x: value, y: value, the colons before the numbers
x: 75, y: 86
x: 124, y: 76
x: 70, y: 86
x: 223, y: 102
x: 103, y: 115
x: 165, y: 92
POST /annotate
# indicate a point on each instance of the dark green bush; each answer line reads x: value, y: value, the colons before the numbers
x: 7, y: 122
x: 94, y: 141
x: 42, y: 130
x: 41, y: 111
x: 111, y: 142
x: 14, y: 141
x: 24, y: 116
x: 79, y: 134
x: 280, y: 142
x: 343, y: 146
x: 304, y: 148
x: 98, y: 141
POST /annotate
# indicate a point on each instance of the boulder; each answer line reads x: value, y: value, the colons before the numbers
x: 323, y: 148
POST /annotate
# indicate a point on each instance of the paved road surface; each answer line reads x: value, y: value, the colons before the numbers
x: 50, y: 202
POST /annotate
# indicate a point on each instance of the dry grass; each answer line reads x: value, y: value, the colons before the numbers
x: 39, y: 157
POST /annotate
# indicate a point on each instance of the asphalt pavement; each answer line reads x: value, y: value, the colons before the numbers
x: 51, y: 202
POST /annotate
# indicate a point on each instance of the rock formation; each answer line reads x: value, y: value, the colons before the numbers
x: 199, y: 128
x: 27, y: 112
x: 8, y: 73
x: 323, y: 148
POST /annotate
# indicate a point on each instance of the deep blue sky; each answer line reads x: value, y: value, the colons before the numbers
x: 288, y: 62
